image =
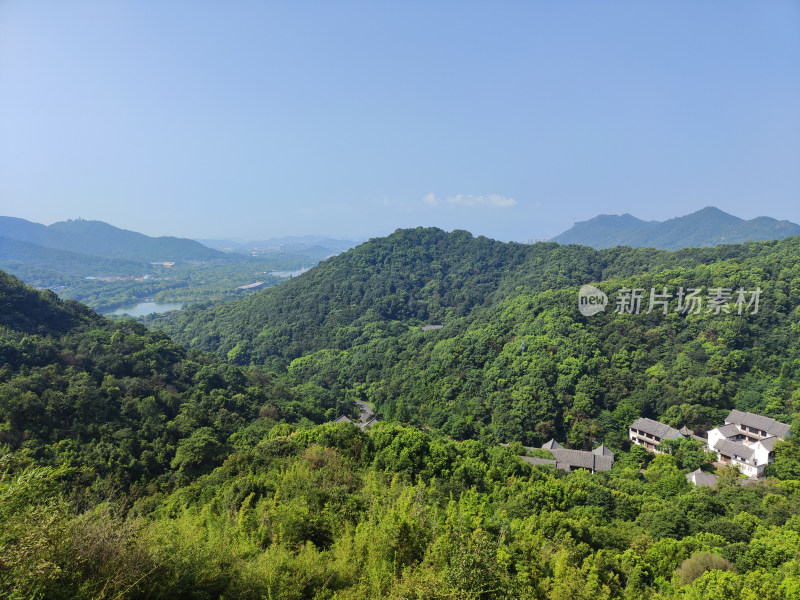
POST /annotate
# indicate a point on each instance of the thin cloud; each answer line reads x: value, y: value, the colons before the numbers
x: 493, y: 200
x: 468, y: 200
x: 431, y: 200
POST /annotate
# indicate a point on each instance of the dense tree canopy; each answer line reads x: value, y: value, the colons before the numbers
x: 515, y: 358
x: 132, y: 467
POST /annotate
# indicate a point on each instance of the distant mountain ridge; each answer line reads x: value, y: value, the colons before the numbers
x: 316, y: 247
x: 97, y: 238
x: 55, y: 262
x: 707, y: 227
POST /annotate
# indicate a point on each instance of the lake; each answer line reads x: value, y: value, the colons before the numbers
x: 145, y: 308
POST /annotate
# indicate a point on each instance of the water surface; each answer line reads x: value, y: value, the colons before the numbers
x: 145, y: 308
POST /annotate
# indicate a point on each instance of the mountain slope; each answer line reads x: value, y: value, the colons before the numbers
x: 27, y: 311
x: 411, y: 277
x: 109, y: 436
x: 101, y: 239
x: 408, y: 279
x: 63, y: 262
x: 604, y: 231
x: 530, y: 366
x: 350, y: 328
x: 119, y: 399
x: 707, y: 227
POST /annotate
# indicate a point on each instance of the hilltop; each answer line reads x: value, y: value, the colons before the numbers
x: 408, y: 279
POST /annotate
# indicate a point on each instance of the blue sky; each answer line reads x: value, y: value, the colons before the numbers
x: 509, y: 119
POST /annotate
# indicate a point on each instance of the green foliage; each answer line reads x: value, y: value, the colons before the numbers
x: 324, y: 513
x: 700, y: 562
x: 349, y: 329
x: 132, y: 467
x: 135, y: 407
x: 689, y: 453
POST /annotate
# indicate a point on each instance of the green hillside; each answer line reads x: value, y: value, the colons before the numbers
x: 408, y: 279
x: 351, y: 328
x: 133, y: 468
x: 77, y: 388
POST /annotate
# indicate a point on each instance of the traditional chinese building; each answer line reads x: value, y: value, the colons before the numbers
x: 699, y: 478
x: 599, y: 459
x: 649, y: 433
x: 747, y: 441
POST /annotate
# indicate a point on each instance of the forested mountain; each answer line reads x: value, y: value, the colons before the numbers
x: 101, y: 239
x: 133, y: 468
x: 56, y: 264
x: 116, y: 397
x: 351, y: 327
x: 707, y: 227
x: 605, y: 231
x: 410, y: 278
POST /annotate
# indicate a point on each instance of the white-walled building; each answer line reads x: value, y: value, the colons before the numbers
x: 747, y: 441
x: 649, y: 433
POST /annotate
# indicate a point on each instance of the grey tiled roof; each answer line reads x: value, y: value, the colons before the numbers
x: 732, y: 448
x: 769, y: 443
x: 665, y: 432
x: 601, y: 450
x: 343, y: 419
x: 552, y: 445
x: 771, y: 426
x: 699, y: 478
x: 578, y: 459
x: 729, y: 430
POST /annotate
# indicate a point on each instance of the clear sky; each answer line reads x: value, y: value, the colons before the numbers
x: 510, y: 119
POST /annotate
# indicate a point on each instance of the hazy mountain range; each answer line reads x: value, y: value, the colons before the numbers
x: 96, y: 238
x: 314, y: 246
x: 707, y: 227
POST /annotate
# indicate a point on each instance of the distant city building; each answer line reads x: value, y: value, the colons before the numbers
x: 251, y: 286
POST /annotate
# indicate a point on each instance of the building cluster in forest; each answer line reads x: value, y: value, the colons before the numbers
x: 599, y: 459
x: 746, y: 440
